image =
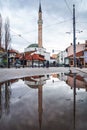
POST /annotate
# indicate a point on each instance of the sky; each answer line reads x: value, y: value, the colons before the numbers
x: 57, y: 18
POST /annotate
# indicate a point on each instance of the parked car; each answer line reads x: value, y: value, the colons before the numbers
x: 2, y: 65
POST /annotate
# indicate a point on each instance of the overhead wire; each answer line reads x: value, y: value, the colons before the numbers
x: 51, y: 24
x: 70, y: 11
x: 77, y: 12
x: 56, y: 22
x: 19, y: 35
x: 68, y: 6
x: 83, y: 23
x: 79, y: 6
x: 48, y: 26
x: 64, y: 21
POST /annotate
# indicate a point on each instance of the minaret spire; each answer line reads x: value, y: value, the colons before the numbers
x: 40, y: 10
x: 40, y: 22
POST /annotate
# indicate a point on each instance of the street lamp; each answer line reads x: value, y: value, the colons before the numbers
x: 79, y: 31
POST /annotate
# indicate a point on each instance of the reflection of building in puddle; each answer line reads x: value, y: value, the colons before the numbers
x: 38, y: 82
x: 61, y: 76
x: 5, y: 93
x: 35, y: 81
x: 54, y: 75
x: 75, y: 81
x: 80, y: 82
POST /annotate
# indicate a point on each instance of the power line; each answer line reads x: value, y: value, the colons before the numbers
x: 19, y: 35
x: 58, y: 23
x: 47, y: 26
x: 68, y: 6
x: 80, y: 6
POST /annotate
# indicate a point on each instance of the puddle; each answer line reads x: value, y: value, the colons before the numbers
x: 55, y: 102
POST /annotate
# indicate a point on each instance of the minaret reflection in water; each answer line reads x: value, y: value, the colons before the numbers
x: 38, y: 82
x: 40, y: 107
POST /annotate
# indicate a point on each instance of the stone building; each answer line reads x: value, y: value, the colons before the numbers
x: 81, y: 54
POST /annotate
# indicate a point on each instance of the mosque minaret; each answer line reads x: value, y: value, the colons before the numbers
x: 40, y: 22
x: 37, y: 48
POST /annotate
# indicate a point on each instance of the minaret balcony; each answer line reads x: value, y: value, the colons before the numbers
x: 40, y: 21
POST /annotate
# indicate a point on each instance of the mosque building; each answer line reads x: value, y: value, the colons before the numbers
x: 35, y: 51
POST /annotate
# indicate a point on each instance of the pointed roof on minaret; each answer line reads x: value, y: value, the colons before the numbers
x: 40, y: 10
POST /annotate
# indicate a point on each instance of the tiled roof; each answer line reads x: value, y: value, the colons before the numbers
x: 34, y: 57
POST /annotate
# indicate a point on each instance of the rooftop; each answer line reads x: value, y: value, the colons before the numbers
x: 33, y: 45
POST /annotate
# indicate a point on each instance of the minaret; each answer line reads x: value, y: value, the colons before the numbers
x: 40, y: 22
x: 40, y: 106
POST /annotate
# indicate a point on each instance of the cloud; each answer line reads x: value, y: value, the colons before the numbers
x: 57, y: 20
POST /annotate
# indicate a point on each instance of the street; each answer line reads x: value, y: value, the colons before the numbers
x: 12, y: 73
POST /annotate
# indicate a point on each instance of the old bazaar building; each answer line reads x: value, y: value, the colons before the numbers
x: 81, y: 54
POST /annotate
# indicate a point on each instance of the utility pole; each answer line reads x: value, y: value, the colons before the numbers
x: 74, y: 37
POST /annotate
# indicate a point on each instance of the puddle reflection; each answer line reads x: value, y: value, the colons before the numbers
x: 5, y: 98
x: 43, y: 102
x: 80, y: 82
x: 76, y: 82
x: 38, y: 82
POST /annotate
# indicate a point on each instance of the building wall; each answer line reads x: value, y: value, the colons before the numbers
x: 81, y: 54
x: 61, y: 56
x: 41, y: 51
x: 79, y: 47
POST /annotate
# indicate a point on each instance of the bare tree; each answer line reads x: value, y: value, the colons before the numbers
x: 7, y: 34
x: 0, y: 30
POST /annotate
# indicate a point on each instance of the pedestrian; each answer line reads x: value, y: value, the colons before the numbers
x: 47, y: 64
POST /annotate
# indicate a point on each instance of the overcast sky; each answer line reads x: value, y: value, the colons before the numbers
x: 57, y: 20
